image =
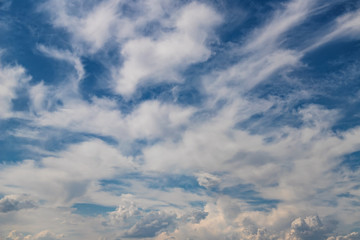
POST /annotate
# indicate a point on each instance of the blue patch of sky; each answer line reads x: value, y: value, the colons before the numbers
x: 60, y: 139
x: 197, y: 204
x: 26, y: 29
x: 330, y: 75
x: 12, y: 148
x: 163, y: 182
x: 270, y: 120
x: 351, y: 161
x: 15, y: 148
x: 346, y: 195
x: 315, y: 26
x: 88, y: 209
x: 185, y: 182
x: 242, y: 17
x: 21, y: 103
x: 93, y: 83
x: 247, y: 193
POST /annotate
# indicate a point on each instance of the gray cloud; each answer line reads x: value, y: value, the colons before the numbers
x: 14, y: 203
x: 351, y: 236
x: 152, y: 224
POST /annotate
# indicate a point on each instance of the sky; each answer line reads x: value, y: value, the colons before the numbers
x: 180, y: 119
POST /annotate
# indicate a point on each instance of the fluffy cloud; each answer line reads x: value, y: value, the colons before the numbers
x: 159, y: 59
x: 151, y: 225
x: 142, y: 223
x: 43, y: 235
x: 307, y: 229
x: 351, y: 236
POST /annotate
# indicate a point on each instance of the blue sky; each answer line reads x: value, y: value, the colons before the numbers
x: 160, y: 119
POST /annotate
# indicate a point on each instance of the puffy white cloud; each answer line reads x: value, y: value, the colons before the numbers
x: 308, y: 228
x: 126, y: 212
x: 93, y: 26
x: 43, y: 235
x: 159, y: 59
x: 142, y: 223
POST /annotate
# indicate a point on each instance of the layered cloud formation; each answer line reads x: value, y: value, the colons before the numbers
x: 159, y: 119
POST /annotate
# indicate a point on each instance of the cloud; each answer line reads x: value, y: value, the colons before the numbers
x: 151, y: 225
x: 255, y: 161
x: 142, y: 223
x: 158, y: 60
x: 126, y: 212
x: 293, y: 14
x: 345, y: 26
x: 68, y: 174
x: 15, y: 203
x: 149, y: 120
x: 92, y: 26
x: 12, y: 78
x: 307, y: 229
x: 207, y: 180
x: 43, y: 235
x: 351, y: 236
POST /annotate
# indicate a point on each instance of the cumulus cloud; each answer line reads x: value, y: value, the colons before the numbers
x: 307, y: 229
x: 43, y: 235
x: 151, y: 225
x: 351, y: 236
x: 142, y: 223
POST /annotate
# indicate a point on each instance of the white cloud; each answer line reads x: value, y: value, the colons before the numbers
x: 149, y: 120
x: 12, y: 78
x: 308, y: 228
x: 92, y: 26
x: 43, y: 235
x: 68, y: 175
x: 159, y: 59
x: 345, y: 26
x: 294, y: 13
x: 204, y: 142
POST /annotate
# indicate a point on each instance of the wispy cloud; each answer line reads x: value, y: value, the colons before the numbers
x: 257, y: 157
